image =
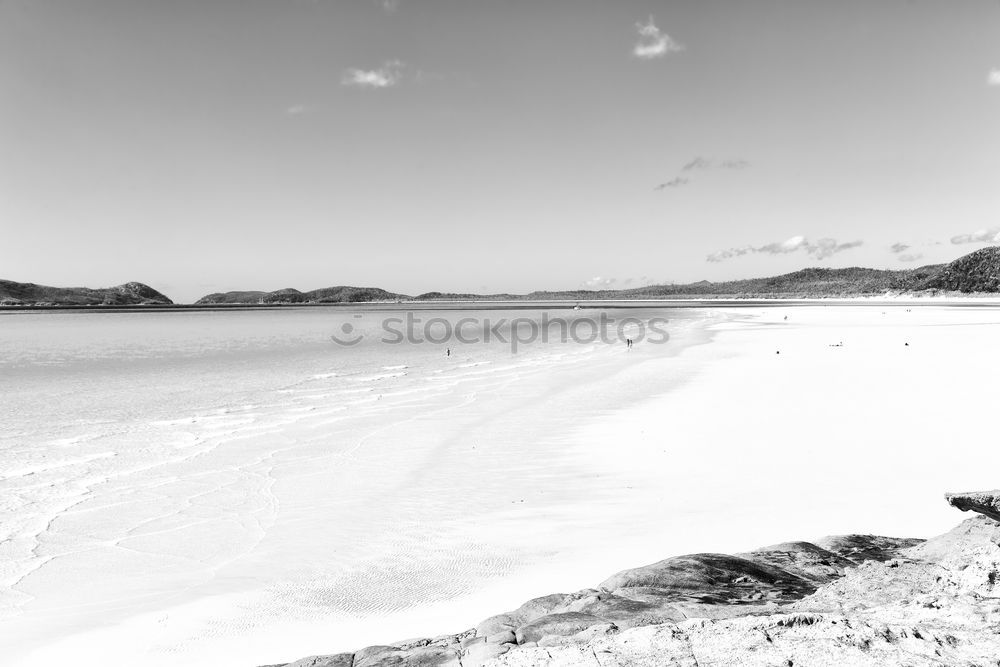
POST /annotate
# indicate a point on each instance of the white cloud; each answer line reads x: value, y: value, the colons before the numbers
x: 653, y: 42
x: 389, y: 6
x: 299, y: 109
x: 821, y: 249
x: 386, y: 76
x: 993, y: 78
x: 991, y: 235
x: 828, y: 247
x: 600, y: 282
x: 899, y: 247
x: 597, y: 282
x: 910, y: 257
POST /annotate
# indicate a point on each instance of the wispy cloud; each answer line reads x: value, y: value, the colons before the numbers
x: 701, y: 164
x: 299, y: 109
x: 993, y: 78
x: 734, y: 164
x: 897, y: 248
x: 673, y: 183
x: 389, y: 6
x: 709, y: 163
x: 697, y: 163
x: 599, y: 282
x: 653, y: 42
x: 821, y: 249
x: 910, y: 257
x: 386, y: 76
x: 991, y: 235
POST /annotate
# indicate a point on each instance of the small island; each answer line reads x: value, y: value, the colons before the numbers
x: 127, y: 294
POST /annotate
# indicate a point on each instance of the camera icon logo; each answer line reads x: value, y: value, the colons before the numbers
x: 349, y: 336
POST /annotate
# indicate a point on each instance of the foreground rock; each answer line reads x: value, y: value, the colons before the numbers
x: 716, y: 586
x: 984, y: 502
x: 849, y: 600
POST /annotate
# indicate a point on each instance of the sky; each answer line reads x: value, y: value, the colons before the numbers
x: 491, y: 145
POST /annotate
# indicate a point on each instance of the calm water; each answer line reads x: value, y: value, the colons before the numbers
x: 151, y: 458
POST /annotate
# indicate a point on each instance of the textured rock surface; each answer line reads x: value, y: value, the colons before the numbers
x: 778, y: 640
x: 984, y: 502
x: 848, y: 600
x: 338, y: 660
x: 698, y: 585
x: 935, y: 603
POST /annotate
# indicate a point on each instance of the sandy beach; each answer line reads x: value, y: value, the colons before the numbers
x: 580, y: 464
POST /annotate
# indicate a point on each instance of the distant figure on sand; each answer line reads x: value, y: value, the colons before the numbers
x: 448, y: 353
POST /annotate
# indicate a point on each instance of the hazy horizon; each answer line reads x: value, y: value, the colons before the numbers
x: 420, y: 145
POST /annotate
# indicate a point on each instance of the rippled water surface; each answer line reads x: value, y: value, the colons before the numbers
x: 152, y: 458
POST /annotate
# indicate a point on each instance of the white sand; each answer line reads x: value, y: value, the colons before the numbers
x: 728, y: 447
x: 821, y: 438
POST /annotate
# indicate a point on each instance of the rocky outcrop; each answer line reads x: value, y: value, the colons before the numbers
x: 127, y: 294
x: 813, y: 640
x: 986, y: 503
x: 856, y: 600
x: 934, y: 603
x: 663, y: 594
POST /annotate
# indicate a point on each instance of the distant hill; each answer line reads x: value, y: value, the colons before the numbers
x: 852, y: 281
x: 342, y: 294
x: 30, y: 294
x: 812, y: 282
x: 978, y: 271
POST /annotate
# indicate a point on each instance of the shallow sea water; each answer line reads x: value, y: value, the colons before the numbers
x: 152, y: 460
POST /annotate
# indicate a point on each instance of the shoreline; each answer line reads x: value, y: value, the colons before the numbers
x: 667, y: 473
x: 921, y: 300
